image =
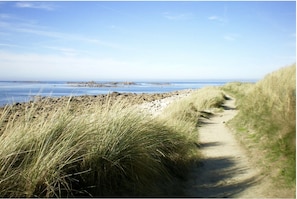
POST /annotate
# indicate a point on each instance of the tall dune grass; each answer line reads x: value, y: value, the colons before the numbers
x: 267, y: 117
x: 189, y: 108
x: 239, y: 90
x: 184, y: 114
x: 99, y: 150
x: 110, y: 150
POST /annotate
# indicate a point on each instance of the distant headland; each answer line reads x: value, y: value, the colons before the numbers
x: 100, y: 84
x: 108, y: 84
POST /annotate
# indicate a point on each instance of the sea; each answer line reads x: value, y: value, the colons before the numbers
x: 23, y: 91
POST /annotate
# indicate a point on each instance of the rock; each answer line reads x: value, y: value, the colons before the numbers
x: 115, y: 94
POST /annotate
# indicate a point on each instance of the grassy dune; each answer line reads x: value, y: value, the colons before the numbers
x: 113, y: 149
x: 185, y: 113
x: 110, y: 150
x: 267, y: 121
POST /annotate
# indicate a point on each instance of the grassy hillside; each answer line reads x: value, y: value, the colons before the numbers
x: 113, y: 149
x: 266, y: 123
x: 110, y: 150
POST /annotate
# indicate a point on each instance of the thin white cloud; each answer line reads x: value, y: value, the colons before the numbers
x: 213, y: 17
x: 180, y: 16
x: 5, y: 16
x: 64, y: 51
x: 10, y: 45
x: 222, y: 19
x: 4, y: 24
x: 11, y: 20
x: 68, y: 51
x: 38, y: 66
x: 40, y: 32
x: 65, y: 36
x: 231, y: 37
x: 36, y: 5
x: 12, y: 23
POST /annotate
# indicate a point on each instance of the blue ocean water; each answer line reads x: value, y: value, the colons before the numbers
x: 22, y: 91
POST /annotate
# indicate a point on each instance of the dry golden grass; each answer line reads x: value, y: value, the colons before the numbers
x: 110, y: 150
x: 267, y: 120
x: 185, y: 113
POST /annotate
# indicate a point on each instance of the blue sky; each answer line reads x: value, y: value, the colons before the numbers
x: 145, y: 40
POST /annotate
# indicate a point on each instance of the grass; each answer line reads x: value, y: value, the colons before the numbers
x: 185, y: 114
x: 267, y: 121
x: 189, y: 109
x: 110, y: 150
x: 113, y: 149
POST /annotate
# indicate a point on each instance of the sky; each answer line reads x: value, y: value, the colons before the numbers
x: 152, y: 40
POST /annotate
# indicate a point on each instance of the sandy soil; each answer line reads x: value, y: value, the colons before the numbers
x: 226, y: 170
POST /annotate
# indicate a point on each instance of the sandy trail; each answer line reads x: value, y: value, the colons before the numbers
x: 225, y: 169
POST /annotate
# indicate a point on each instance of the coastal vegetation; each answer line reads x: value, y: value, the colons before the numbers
x: 266, y: 123
x: 92, y: 146
x: 186, y: 112
x: 102, y: 149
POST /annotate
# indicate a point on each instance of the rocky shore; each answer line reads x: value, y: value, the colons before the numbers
x: 155, y: 107
x: 152, y: 103
x: 109, y: 84
x: 97, y: 84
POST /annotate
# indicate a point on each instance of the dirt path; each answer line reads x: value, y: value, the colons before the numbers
x: 225, y: 170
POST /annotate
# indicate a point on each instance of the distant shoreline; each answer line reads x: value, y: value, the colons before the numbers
x: 108, y: 84
x: 48, y: 104
x: 147, y: 81
x: 24, y: 91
